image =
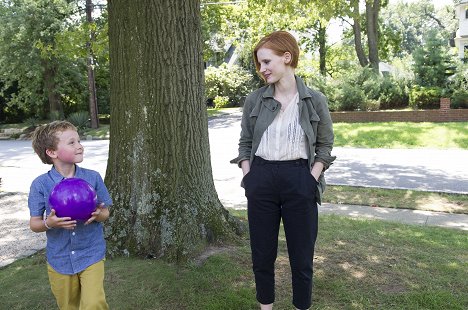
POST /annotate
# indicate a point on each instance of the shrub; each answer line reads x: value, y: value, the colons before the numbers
x: 372, y: 105
x: 79, y: 119
x: 232, y: 82
x: 425, y: 97
x: 459, y: 99
x: 393, y: 93
x: 32, y: 122
x: 221, y: 102
x: 348, y: 98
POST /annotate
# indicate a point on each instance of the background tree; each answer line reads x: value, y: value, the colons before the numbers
x: 159, y: 171
x: 28, y: 52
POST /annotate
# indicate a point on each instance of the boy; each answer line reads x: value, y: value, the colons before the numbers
x: 75, y: 250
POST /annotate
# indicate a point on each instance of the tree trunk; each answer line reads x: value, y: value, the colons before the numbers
x: 322, y: 40
x: 159, y: 169
x: 372, y: 14
x: 357, y: 34
x: 55, y: 102
x: 93, y: 109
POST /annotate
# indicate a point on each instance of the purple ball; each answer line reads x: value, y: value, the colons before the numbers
x: 73, y: 198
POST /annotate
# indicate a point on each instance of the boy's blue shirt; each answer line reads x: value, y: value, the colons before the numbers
x: 70, y: 251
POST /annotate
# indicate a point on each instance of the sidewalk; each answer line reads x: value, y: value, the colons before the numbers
x: 404, y: 216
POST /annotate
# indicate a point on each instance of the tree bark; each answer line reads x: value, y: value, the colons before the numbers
x: 50, y: 73
x: 358, y: 35
x: 322, y: 40
x: 93, y: 109
x: 372, y: 14
x: 159, y: 169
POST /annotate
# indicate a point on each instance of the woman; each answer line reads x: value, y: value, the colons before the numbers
x: 284, y: 148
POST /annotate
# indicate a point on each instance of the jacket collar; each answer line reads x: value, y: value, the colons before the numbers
x: 301, y: 89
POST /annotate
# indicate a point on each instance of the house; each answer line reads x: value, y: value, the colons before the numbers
x: 461, y: 38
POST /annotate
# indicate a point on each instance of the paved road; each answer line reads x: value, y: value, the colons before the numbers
x: 419, y: 169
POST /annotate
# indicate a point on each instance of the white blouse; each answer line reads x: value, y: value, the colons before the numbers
x: 284, y: 139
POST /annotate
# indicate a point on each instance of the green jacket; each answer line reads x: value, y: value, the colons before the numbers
x: 260, y: 109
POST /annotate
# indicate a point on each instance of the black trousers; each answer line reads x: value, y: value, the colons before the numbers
x: 284, y: 190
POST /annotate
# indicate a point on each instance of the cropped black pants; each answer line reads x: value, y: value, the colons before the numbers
x: 284, y: 190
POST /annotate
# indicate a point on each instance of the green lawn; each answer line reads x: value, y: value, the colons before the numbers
x: 397, y: 198
x: 359, y: 264
x: 402, y: 135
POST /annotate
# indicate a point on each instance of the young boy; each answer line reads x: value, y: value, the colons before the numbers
x: 75, y: 250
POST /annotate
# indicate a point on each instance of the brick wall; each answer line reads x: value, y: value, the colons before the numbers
x: 444, y: 114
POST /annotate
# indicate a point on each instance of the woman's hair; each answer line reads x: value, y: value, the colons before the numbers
x: 45, y: 138
x: 279, y: 42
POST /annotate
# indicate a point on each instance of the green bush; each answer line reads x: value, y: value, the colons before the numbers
x: 348, y: 98
x: 393, y: 93
x: 425, y: 97
x: 363, y: 89
x: 372, y: 105
x: 32, y: 122
x: 79, y: 119
x: 221, y: 102
x: 459, y: 99
x: 232, y: 82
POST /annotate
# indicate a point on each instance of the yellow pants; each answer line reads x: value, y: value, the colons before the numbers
x: 84, y: 290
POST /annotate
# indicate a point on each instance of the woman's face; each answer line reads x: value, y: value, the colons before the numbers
x: 272, y: 66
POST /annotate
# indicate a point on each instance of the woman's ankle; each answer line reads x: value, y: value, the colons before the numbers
x: 266, y: 307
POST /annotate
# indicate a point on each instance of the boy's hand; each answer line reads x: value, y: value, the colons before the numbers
x: 100, y: 214
x: 53, y: 221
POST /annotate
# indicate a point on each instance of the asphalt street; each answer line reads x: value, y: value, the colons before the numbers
x: 418, y: 169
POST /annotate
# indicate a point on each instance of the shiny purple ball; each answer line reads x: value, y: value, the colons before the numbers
x: 73, y: 198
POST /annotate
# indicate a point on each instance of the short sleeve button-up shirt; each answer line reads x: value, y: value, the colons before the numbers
x: 70, y: 251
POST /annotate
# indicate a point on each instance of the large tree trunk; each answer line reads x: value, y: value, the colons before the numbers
x: 93, y: 108
x: 159, y: 170
x: 358, y: 35
x: 372, y: 15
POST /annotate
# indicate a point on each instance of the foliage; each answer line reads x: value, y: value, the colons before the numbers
x: 404, y: 24
x: 459, y: 99
x: 458, y: 86
x: 232, y: 82
x: 393, y: 93
x: 79, y: 119
x: 28, y: 53
x: 422, y: 97
x: 221, y: 102
x: 363, y: 89
x: 216, y: 26
x: 32, y: 122
x: 348, y: 97
x: 432, y: 62
x: 43, y: 53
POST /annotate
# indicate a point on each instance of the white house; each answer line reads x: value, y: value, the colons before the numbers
x: 461, y: 39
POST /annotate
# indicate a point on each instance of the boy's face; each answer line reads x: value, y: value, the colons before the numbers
x: 69, y: 149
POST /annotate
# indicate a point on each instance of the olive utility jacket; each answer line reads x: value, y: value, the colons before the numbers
x: 260, y: 109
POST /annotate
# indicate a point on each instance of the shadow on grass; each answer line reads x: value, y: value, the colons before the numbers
x: 359, y: 264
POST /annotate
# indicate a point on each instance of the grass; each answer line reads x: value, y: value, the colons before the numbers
x: 402, y: 135
x: 397, y: 198
x: 359, y: 264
